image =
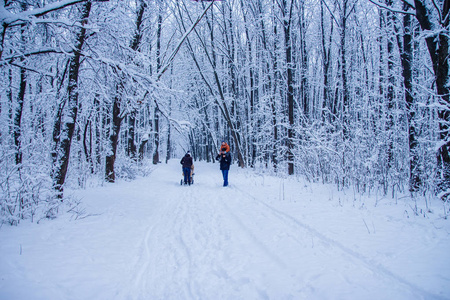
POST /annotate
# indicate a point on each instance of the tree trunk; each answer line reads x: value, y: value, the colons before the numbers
x: 326, y: 60
x: 158, y: 68
x: 390, y: 88
x: 273, y: 80
x: 135, y: 44
x: 110, y: 174
x: 343, y: 61
x: 169, y: 127
x: 169, y: 146
x: 438, y: 47
x: 287, y: 14
x: 68, y: 126
x: 253, y: 129
x: 406, y: 55
x: 131, y: 145
x: 99, y: 122
x: 18, y: 116
x: 20, y: 101
x: 304, y: 95
x: 88, y: 149
x: 141, y: 148
x: 156, y: 128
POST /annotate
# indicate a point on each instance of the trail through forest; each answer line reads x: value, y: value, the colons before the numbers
x: 262, y: 237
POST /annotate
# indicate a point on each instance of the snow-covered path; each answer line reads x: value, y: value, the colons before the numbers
x: 260, y: 238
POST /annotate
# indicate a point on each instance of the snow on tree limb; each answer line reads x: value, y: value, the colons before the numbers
x: 7, y: 18
x: 384, y: 6
x: 177, y: 48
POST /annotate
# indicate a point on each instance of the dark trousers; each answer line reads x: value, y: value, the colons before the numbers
x: 225, y: 177
x: 187, y: 175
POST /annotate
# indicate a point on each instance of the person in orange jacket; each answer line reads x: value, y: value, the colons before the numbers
x: 224, y: 158
x: 224, y: 146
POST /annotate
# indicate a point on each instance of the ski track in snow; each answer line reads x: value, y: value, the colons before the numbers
x: 372, y: 265
x: 209, y: 242
x: 202, y: 238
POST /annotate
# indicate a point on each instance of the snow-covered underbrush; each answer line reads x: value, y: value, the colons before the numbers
x: 24, y: 194
x: 26, y: 191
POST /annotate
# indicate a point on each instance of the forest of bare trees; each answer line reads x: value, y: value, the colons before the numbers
x: 349, y: 92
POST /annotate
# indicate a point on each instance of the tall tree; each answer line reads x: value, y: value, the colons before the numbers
x: 67, y: 127
x: 303, y: 62
x: 328, y: 104
x: 437, y: 40
x: 405, y: 45
x: 158, y: 69
x: 117, y: 112
x: 286, y: 12
x: 20, y: 99
x: 114, y: 122
x: 346, y: 8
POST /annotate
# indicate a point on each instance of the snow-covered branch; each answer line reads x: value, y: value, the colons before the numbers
x: 7, y: 18
x: 31, y: 53
x: 177, y: 48
x: 384, y: 6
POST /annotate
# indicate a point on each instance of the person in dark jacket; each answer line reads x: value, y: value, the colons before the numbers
x: 187, y: 163
x: 225, y: 161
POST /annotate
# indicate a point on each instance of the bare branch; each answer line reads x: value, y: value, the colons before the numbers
x: 331, y: 13
x: 408, y: 4
x: 438, y: 11
x: 175, y: 51
x: 37, y: 52
x: 391, y: 9
x: 33, y: 70
x: 39, y: 12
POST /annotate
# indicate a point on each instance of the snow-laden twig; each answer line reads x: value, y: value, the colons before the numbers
x: 31, y: 53
x: 332, y: 14
x: 177, y: 48
x: 384, y: 6
x: 7, y: 18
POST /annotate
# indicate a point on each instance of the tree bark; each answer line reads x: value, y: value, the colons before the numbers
x: 438, y: 48
x: 390, y: 88
x: 135, y: 44
x: 131, y: 145
x: 343, y: 61
x: 156, y: 128
x: 68, y: 125
x: 88, y: 148
x: 287, y: 18
x: 158, y: 68
x: 304, y: 95
x: 18, y: 116
x: 327, y: 106
x: 17, y: 130
x: 253, y: 91
x: 406, y: 55
x: 110, y: 174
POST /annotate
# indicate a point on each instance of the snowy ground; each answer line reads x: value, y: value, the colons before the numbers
x: 260, y: 238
